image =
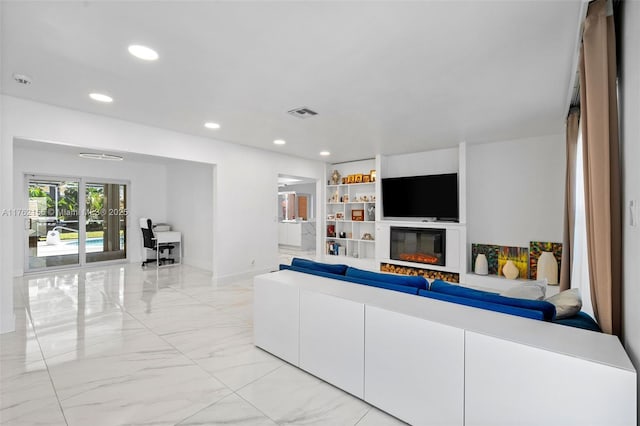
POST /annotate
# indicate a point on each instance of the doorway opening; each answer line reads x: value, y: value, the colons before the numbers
x: 296, y: 206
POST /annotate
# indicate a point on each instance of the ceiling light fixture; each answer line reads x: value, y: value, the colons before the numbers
x: 22, y: 79
x: 97, y: 156
x: 279, y: 142
x: 325, y: 153
x: 101, y: 97
x: 211, y: 125
x: 143, y: 52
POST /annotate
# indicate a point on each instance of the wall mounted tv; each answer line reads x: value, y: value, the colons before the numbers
x: 426, y: 197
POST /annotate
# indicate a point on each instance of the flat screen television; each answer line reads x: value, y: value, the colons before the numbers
x: 426, y: 197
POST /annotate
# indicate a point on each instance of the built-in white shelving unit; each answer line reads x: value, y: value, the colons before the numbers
x: 350, y: 215
x: 350, y: 220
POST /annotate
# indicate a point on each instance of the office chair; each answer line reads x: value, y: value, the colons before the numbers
x: 150, y: 242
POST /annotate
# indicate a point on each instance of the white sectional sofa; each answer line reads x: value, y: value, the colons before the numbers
x: 430, y: 362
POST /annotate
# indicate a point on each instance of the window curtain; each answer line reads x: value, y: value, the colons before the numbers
x: 599, y: 115
x: 573, y: 122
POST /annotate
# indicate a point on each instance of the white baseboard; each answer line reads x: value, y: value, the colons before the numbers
x: 246, y: 275
x: 7, y: 322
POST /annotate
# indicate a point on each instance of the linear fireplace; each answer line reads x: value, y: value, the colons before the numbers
x: 418, y: 245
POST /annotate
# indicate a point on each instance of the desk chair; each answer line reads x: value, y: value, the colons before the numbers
x: 150, y: 242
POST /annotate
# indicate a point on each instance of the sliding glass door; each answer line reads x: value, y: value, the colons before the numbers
x: 53, y: 224
x: 61, y: 233
x: 106, y: 214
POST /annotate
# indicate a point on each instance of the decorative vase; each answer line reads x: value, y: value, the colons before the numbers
x: 547, y: 268
x: 510, y: 270
x: 482, y: 266
x: 335, y: 177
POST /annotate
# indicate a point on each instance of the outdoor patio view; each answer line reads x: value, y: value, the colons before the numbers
x: 61, y: 232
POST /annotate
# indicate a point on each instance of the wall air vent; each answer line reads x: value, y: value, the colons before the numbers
x: 302, y: 112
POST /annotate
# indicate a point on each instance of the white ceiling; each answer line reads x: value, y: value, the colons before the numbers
x: 385, y: 76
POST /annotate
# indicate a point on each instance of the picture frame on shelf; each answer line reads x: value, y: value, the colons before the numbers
x: 345, y: 180
x: 351, y: 179
x: 358, y: 178
x: 372, y: 175
x: 366, y: 178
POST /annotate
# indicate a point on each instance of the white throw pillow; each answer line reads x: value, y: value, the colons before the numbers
x: 568, y: 303
x: 531, y: 290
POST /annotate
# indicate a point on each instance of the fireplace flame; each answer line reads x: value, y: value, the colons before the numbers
x: 419, y: 257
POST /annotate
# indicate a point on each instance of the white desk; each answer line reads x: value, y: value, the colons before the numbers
x: 169, y: 237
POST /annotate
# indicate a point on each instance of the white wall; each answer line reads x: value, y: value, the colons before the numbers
x: 189, y: 209
x: 630, y: 146
x: 420, y: 163
x: 515, y: 191
x: 146, y: 194
x: 245, y: 220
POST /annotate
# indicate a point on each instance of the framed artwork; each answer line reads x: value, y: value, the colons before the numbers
x: 344, y: 180
x: 351, y: 179
x: 357, y: 215
x: 498, y: 255
x: 490, y: 251
x: 518, y: 255
x: 535, y: 250
x: 372, y: 174
x: 366, y: 178
x: 358, y: 178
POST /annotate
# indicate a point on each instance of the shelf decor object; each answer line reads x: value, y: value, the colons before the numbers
x: 335, y: 177
x: 357, y: 215
x: 491, y: 253
x: 510, y: 270
x: 547, y: 268
x: 535, y: 250
x: 481, y: 266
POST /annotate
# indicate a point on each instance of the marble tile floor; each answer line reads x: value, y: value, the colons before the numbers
x: 119, y: 345
x: 286, y: 253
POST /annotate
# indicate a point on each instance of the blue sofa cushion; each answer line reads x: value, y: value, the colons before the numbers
x: 458, y: 290
x: 404, y: 280
x: 496, y: 307
x: 580, y: 320
x: 318, y: 266
x: 548, y: 309
x: 378, y: 284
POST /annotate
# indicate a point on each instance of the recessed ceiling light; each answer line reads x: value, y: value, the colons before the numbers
x: 211, y: 125
x: 325, y: 153
x: 99, y: 156
x: 143, y: 52
x: 100, y: 97
x: 279, y: 142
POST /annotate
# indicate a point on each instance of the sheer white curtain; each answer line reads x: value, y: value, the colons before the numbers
x: 580, y: 270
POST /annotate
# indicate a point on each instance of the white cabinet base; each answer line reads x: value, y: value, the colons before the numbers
x: 508, y: 383
x: 332, y: 340
x: 414, y: 368
x: 275, y: 317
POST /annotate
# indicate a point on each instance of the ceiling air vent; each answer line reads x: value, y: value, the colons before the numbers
x: 302, y: 112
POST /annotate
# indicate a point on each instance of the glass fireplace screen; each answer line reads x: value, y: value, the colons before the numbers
x: 418, y: 245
